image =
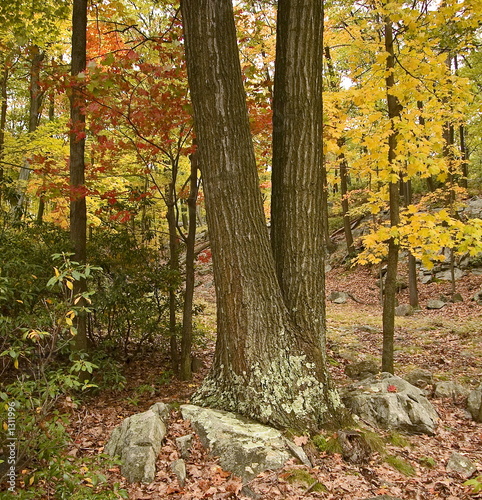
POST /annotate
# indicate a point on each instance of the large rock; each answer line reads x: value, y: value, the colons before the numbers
x: 474, y: 404
x: 338, y: 297
x: 460, y: 464
x: 243, y: 446
x: 137, y: 441
x: 449, y: 389
x: 419, y: 378
x: 362, y: 369
x: 390, y: 402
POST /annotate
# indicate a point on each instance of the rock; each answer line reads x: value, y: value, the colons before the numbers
x: 338, y: 297
x: 478, y: 297
x: 447, y: 274
x: 435, y: 304
x: 362, y: 369
x: 179, y: 468
x: 460, y: 464
x: 419, y: 378
x: 404, y: 310
x: 449, y: 390
x: 184, y: 444
x: 243, y: 446
x: 390, y: 402
x: 474, y: 404
x: 456, y: 297
x: 425, y: 278
x: 137, y: 441
x: 383, y: 497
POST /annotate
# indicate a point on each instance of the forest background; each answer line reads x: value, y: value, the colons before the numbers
x: 401, y: 104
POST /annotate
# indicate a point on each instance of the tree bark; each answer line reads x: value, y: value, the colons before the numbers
x: 35, y: 104
x: 263, y: 365
x: 186, y: 338
x: 3, y: 121
x: 78, y: 207
x: 394, y: 111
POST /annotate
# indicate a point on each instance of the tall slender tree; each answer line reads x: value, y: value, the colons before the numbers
x: 78, y: 206
x: 269, y: 363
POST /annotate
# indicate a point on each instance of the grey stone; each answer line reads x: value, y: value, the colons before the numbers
x: 478, y: 297
x: 460, y: 464
x: 426, y: 278
x: 338, y: 297
x: 243, y: 446
x: 404, y: 310
x: 383, y: 497
x: 402, y: 408
x: 448, y: 389
x: 435, y: 304
x: 362, y: 369
x: 137, y: 441
x: 419, y: 378
x: 456, y: 297
x: 184, y: 444
x: 179, y: 468
x: 474, y: 404
x: 447, y: 274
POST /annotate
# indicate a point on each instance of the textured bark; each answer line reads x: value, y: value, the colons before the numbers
x: 35, y: 104
x: 389, y: 300
x: 262, y: 367
x: 170, y: 198
x: 78, y: 208
x: 186, y: 339
x: 3, y: 120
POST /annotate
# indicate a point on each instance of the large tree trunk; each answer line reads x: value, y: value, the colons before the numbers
x: 263, y: 367
x: 394, y: 111
x: 78, y: 207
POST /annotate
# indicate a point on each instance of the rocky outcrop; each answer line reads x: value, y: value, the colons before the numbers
x: 474, y: 404
x: 243, y: 446
x: 390, y: 402
x: 137, y: 441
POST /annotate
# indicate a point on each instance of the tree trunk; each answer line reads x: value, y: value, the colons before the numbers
x: 33, y: 120
x: 78, y: 207
x: 394, y: 111
x: 173, y: 265
x: 3, y: 121
x: 264, y: 366
x: 186, y: 338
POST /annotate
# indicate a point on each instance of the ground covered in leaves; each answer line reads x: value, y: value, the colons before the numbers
x: 447, y: 342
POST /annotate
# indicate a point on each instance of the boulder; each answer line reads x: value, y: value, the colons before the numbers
x: 404, y: 310
x: 390, y: 402
x: 460, y: 464
x: 383, y: 497
x: 474, y: 404
x: 478, y: 297
x: 243, y: 446
x: 362, y: 369
x: 137, y: 441
x: 179, y: 468
x: 448, y: 389
x: 435, y: 304
x: 419, y: 378
x: 338, y: 297
x: 447, y: 274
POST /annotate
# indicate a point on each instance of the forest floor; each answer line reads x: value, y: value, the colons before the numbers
x: 447, y: 342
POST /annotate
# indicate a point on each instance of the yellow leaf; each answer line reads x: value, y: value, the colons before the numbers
x: 5, y: 426
x: 15, y: 363
x: 69, y: 284
x: 57, y: 272
x: 20, y: 301
x: 31, y: 480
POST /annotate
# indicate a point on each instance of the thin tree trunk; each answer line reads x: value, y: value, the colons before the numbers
x: 3, y: 121
x: 34, y: 117
x: 263, y: 365
x: 186, y: 339
x: 78, y: 207
x: 412, y: 261
x: 173, y: 265
x: 394, y: 111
